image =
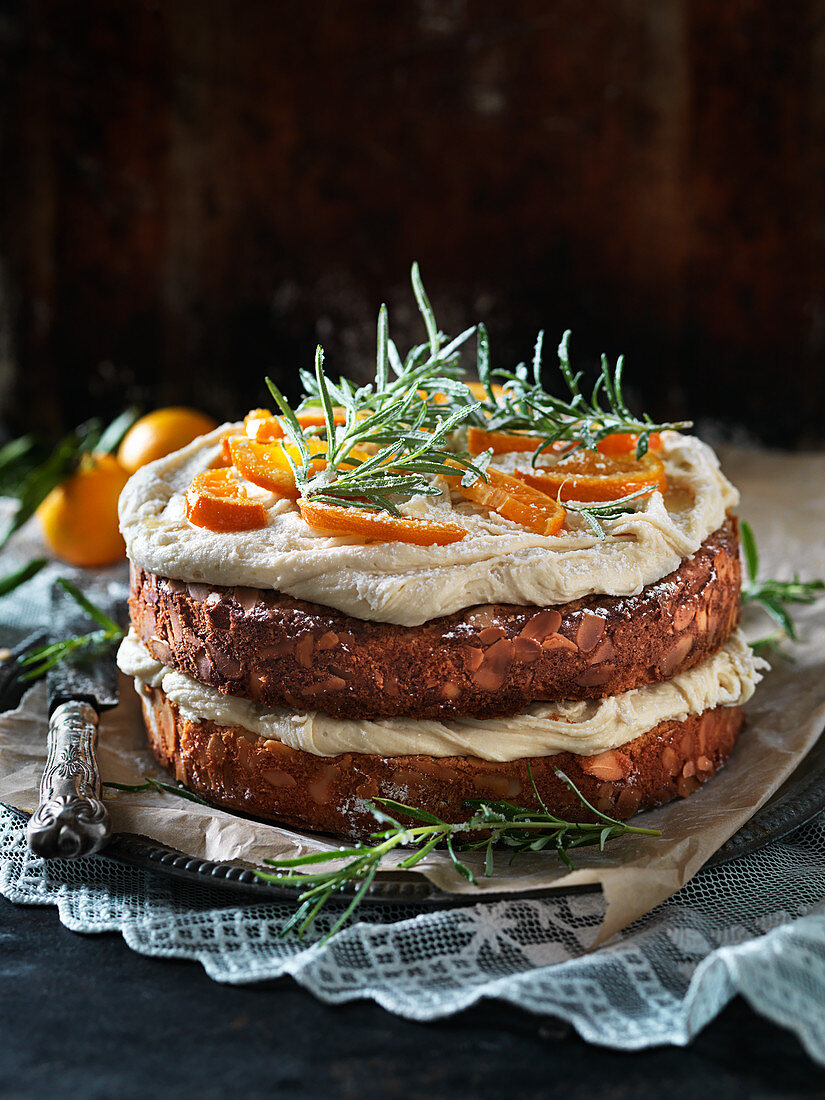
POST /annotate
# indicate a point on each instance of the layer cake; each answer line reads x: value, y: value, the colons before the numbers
x: 296, y: 675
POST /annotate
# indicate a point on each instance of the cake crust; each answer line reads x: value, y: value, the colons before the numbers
x: 265, y: 778
x: 485, y: 661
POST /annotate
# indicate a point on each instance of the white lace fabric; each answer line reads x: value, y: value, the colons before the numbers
x: 755, y: 926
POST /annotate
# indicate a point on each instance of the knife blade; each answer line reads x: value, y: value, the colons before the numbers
x: 71, y: 819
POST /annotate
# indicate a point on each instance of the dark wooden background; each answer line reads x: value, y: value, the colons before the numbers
x: 195, y: 192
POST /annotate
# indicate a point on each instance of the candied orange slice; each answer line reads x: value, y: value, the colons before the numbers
x: 516, y: 501
x: 590, y: 476
x: 314, y: 418
x: 501, y: 443
x: 480, y: 393
x: 267, y: 465
x: 262, y: 426
x: 226, y: 456
x: 476, y: 388
x: 379, y: 525
x: 620, y: 443
x: 624, y: 443
x: 216, y: 501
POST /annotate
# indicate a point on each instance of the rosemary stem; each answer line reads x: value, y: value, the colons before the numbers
x: 583, y: 826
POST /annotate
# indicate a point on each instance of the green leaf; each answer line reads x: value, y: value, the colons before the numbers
x: 410, y: 811
x: 297, y: 918
x: 20, y: 576
x: 395, y: 359
x: 291, y: 426
x: 316, y: 857
x: 749, y: 549
x: 17, y: 459
x: 449, y: 350
x: 94, y: 612
x: 462, y: 868
x: 39, y: 661
x: 537, y: 352
x: 150, y: 784
x: 111, y: 438
x: 329, y: 411
x: 381, y: 351
x: 780, y: 615
x: 604, y: 817
x: 539, y: 799
x: 426, y: 310
x: 350, y: 909
x: 425, y: 850
x: 488, y: 859
x: 608, y: 509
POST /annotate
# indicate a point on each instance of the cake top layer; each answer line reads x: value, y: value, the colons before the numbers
x: 496, y: 562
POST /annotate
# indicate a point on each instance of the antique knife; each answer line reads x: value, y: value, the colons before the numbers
x: 71, y: 819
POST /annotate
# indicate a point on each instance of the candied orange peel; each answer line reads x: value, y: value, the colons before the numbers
x: 500, y: 443
x: 624, y: 443
x: 591, y: 476
x: 215, y: 500
x: 620, y: 443
x: 262, y: 426
x: 380, y: 526
x: 267, y: 464
x: 477, y: 389
x: 516, y: 501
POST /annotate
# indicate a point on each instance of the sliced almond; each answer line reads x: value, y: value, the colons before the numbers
x: 494, y: 668
x: 526, y: 650
x: 610, y: 765
x: 304, y: 650
x: 558, y: 641
x: 540, y: 626
x: 676, y: 656
x: 589, y: 631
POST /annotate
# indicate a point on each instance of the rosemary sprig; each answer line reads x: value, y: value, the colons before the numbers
x: 40, y: 660
x: 151, y: 784
x: 401, y: 430
x: 526, y: 406
x: 396, y: 436
x: 594, y: 511
x: 517, y: 828
x: 772, y: 596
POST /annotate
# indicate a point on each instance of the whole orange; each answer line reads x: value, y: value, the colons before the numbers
x: 79, y: 517
x: 161, y: 432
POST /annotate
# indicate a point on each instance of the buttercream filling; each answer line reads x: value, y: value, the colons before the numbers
x: 727, y: 678
x: 496, y: 562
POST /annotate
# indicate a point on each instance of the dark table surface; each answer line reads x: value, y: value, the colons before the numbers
x: 83, y: 1015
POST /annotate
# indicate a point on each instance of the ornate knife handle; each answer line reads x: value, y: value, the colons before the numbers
x: 71, y: 819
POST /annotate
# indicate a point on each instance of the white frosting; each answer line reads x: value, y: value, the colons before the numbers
x: 727, y: 678
x: 496, y: 562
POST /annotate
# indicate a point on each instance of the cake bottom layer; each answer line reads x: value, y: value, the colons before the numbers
x: 234, y: 768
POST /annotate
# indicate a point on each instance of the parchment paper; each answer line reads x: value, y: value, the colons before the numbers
x: 783, y: 497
